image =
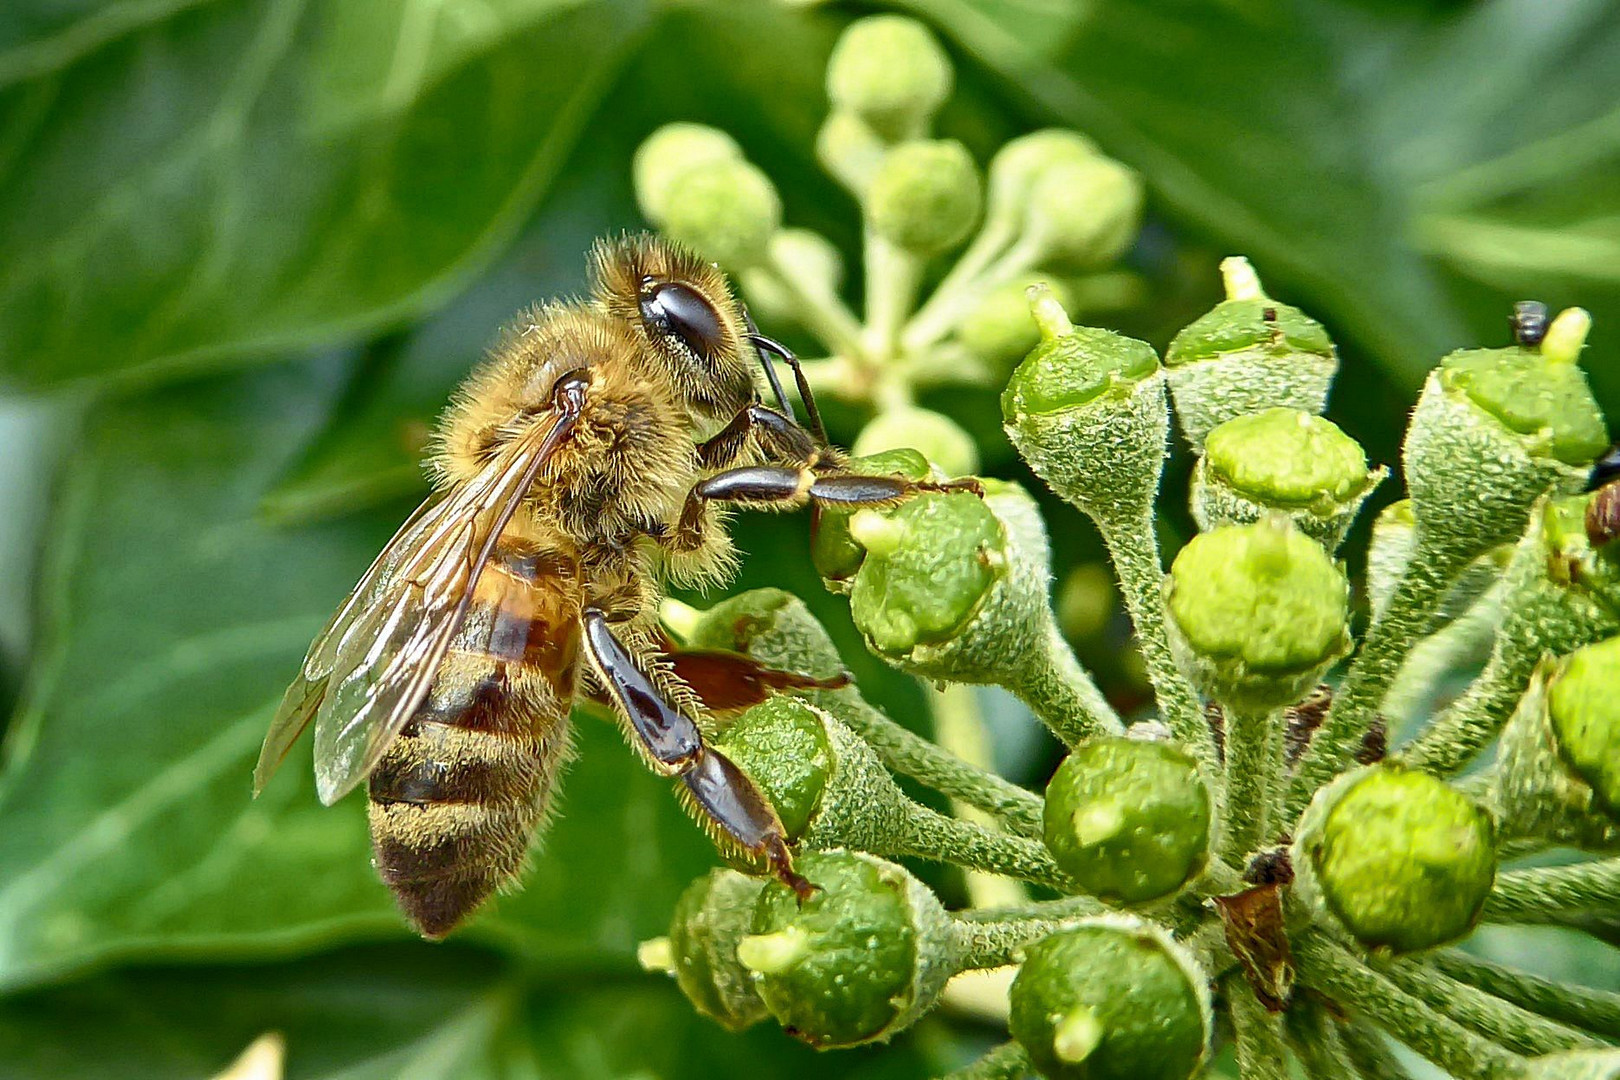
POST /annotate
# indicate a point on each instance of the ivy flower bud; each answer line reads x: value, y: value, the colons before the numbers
x: 1087, y: 410
x: 725, y: 210
x: 925, y: 196
x: 1128, y: 819
x: 1555, y: 774
x: 833, y: 550
x: 1403, y: 860
x: 1248, y: 353
x: 943, y: 584
x: 1083, y: 214
x: 1024, y: 160
x: 890, y: 71
x: 1283, y: 460
x: 1111, y: 999
x: 667, y: 154
x: 714, y: 913
x: 1584, y: 706
x: 999, y: 330
x: 1528, y: 412
x: 809, y: 258
x: 850, y: 151
x: 1259, y: 611
x: 936, y: 436
x: 858, y: 961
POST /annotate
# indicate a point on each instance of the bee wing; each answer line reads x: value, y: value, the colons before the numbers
x: 374, y: 663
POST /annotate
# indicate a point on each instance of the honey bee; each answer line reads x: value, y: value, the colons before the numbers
x: 593, y: 456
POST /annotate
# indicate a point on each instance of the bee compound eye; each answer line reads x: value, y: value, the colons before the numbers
x: 681, y: 310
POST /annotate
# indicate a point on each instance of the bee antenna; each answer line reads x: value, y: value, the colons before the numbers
x: 768, y: 347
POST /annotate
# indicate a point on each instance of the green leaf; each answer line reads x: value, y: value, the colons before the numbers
x: 172, y: 616
x: 421, y: 1012
x: 250, y: 176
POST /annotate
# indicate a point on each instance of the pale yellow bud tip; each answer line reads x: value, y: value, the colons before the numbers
x: 877, y: 533
x: 1048, y: 311
x: 654, y: 955
x: 680, y: 619
x: 1566, y: 336
x: 771, y: 954
x: 1077, y: 1035
x: 1241, y: 282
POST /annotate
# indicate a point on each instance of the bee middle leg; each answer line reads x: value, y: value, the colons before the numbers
x: 780, y: 439
x: 782, y: 487
x: 729, y: 798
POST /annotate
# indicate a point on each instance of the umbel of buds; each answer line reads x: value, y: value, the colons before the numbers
x: 1402, y: 860
x: 1111, y: 999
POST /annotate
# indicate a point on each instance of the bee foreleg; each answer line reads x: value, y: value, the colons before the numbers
x: 781, y: 487
x: 726, y: 794
x: 780, y: 439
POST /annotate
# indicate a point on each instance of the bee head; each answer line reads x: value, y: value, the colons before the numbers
x: 681, y: 310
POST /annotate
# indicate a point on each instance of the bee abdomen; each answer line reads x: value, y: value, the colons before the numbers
x: 453, y: 812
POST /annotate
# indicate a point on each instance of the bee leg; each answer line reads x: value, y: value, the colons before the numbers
x: 783, y: 487
x: 728, y: 682
x: 726, y: 794
x: 781, y: 439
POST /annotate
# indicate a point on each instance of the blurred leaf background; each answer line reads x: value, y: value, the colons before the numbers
x: 248, y: 246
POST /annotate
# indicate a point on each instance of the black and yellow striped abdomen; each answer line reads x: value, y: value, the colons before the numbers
x: 458, y: 798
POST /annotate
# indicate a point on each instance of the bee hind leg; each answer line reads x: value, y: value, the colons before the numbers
x: 672, y: 740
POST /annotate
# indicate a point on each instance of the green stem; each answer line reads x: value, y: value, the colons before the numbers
x: 1258, y: 1034
x: 908, y: 753
x: 821, y: 312
x: 1061, y: 693
x: 1502, y: 1022
x: 1597, y: 1011
x: 959, y: 728
x: 1369, y: 1052
x: 1254, y: 748
x: 1355, y: 704
x: 944, y: 309
x: 1441, y: 653
x: 1546, y: 893
x: 1315, y: 1041
x: 1334, y: 972
x: 892, y: 276
x: 1133, y: 543
x: 986, y: 943
x: 1009, y: 1061
x: 1063, y: 908
x: 930, y: 835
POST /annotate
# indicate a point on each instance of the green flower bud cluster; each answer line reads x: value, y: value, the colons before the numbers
x: 1279, y: 841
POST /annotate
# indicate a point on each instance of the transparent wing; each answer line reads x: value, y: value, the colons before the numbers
x: 374, y: 663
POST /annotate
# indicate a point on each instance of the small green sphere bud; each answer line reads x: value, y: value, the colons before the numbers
x: 1111, y: 999
x: 1260, y: 610
x: 809, y: 258
x: 859, y: 960
x: 1283, y: 460
x: 714, y: 913
x: 726, y: 211
x: 1248, y: 353
x: 1128, y: 819
x: 782, y: 745
x: 890, y: 71
x: 667, y: 154
x: 850, y: 151
x: 930, y: 563
x: 925, y: 196
x: 1083, y: 214
x: 1402, y: 859
x: 936, y: 436
x: 999, y: 328
x: 1021, y: 162
x: 1087, y: 410
x: 1584, y: 704
x: 833, y: 550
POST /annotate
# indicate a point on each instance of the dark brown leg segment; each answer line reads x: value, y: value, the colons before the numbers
x: 725, y: 793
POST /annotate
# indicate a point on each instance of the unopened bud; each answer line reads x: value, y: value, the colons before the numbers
x: 725, y: 210
x: 925, y: 196
x: 714, y: 913
x: 936, y: 436
x: 1083, y: 214
x: 667, y: 154
x: 890, y: 71
x: 1024, y: 160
